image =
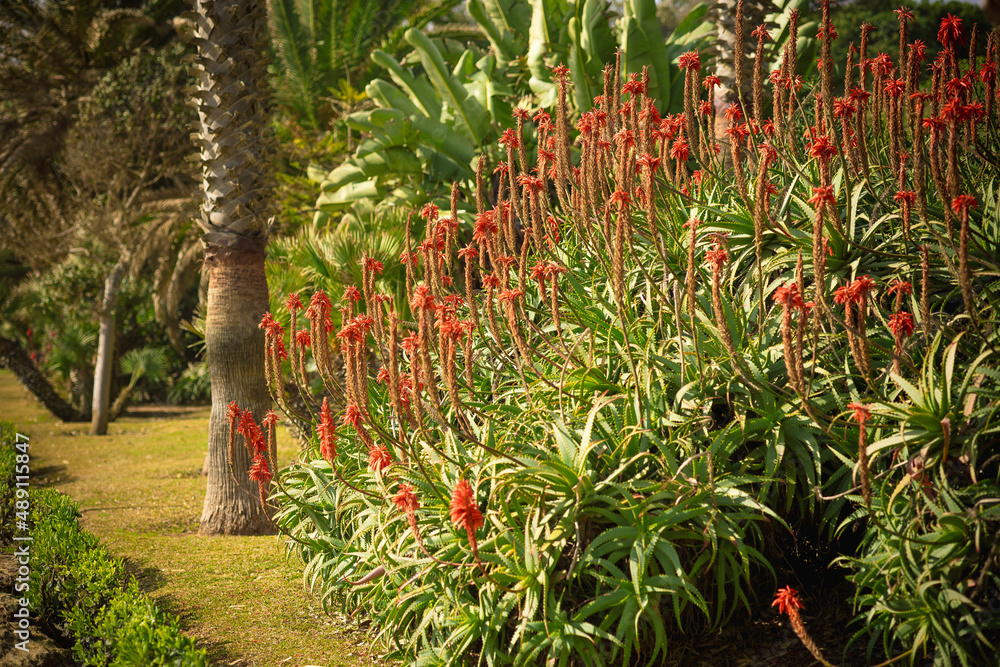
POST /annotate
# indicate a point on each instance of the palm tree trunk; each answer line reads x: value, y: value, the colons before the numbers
x: 105, y: 351
x: 724, y: 16
x: 237, y: 299
x: 235, y: 149
x: 14, y: 357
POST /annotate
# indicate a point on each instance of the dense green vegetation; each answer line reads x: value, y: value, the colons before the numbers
x: 648, y: 360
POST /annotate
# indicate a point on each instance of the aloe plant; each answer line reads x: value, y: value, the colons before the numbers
x: 582, y: 447
x: 441, y: 106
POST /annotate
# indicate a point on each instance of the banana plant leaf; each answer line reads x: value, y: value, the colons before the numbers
x: 331, y: 202
x: 419, y: 90
x: 643, y: 45
x: 591, y: 46
x: 546, y: 16
x: 488, y: 87
x: 596, y: 39
x: 394, y: 160
x: 387, y: 96
x: 473, y: 119
x: 507, y: 43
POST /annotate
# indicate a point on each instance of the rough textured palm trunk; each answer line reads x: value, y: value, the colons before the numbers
x: 235, y: 151
x: 105, y: 352
x: 16, y: 359
x: 237, y: 299
x: 724, y: 14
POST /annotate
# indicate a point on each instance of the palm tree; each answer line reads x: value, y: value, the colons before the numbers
x: 125, y: 161
x: 319, y: 43
x: 236, y: 182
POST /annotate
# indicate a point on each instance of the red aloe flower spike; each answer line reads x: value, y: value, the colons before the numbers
x: 950, y: 33
x: 716, y: 257
x: 842, y: 295
x: 859, y: 412
x: 823, y: 196
x: 465, y: 513
x: 691, y: 277
x: 260, y: 473
x: 788, y: 296
x: 901, y: 325
x: 423, y: 299
x: 900, y: 288
x: 860, y: 415
x: 353, y: 417
x: 232, y: 417
x: 787, y: 601
x: 406, y: 500
x: 906, y: 199
x: 327, y: 432
x: 250, y: 431
x: 429, y: 212
x: 293, y: 303
x: 690, y: 60
x: 270, y: 421
x: 509, y: 138
x: 680, y: 150
x: 961, y: 205
x: 379, y: 458
x: 860, y: 289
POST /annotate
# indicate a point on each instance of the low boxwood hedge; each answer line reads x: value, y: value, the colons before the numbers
x: 81, y: 589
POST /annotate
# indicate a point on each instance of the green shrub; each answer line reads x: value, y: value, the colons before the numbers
x: 130, y: 630
x: 194, y: 385
x: 76, y: 585
x: 8, y: 434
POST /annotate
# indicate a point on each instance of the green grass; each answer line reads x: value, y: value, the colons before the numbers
x: 141, y: 492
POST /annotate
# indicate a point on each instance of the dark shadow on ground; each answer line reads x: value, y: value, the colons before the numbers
x: 51, y: 475
x: 161, y: 411
x: 150, y: 580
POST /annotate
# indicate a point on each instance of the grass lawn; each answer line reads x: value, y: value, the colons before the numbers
x: 141, y: 492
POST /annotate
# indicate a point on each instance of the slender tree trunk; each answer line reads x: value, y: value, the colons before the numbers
x: 105, y: 351
x: 237, y: 299
x: 14, y: 357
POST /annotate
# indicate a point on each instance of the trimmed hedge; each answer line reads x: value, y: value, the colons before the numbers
x: 76, y: 585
